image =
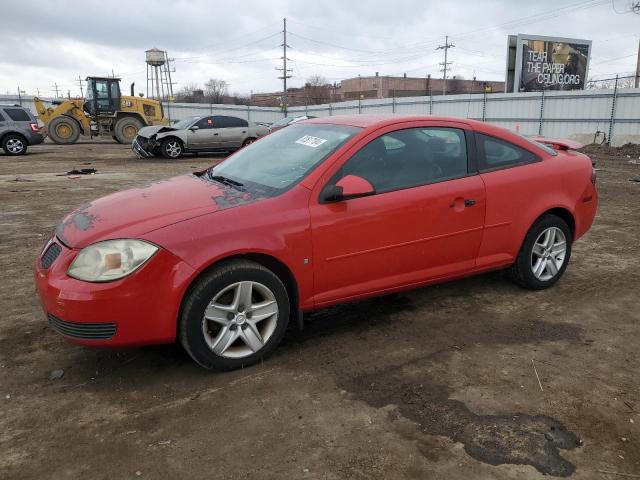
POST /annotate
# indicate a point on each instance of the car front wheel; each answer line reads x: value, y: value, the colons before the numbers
x: 172, y: 148
x: 545, y: 253
x: 234, y: 316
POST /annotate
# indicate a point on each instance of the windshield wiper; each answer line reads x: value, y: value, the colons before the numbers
x: 227, y: 181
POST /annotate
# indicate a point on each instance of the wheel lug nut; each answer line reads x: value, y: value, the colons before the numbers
x: 244, y: 326
x: 230, y: 316
x: 249, y: 314
x: 233, y: 327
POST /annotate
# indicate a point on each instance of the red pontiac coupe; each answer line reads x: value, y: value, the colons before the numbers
x: 325, y: 211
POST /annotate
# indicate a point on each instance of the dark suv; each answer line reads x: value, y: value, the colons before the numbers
x: 18, y: 129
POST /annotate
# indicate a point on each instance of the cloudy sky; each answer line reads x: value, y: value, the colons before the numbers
x: 48, y: 42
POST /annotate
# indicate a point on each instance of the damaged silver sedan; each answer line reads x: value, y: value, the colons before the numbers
x: 214, y: 133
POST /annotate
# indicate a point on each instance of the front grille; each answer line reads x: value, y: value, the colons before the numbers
x: 86, y: 331
x: 50, y: 255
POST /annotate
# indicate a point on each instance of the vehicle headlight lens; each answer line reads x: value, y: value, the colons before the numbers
x: 110, y: 260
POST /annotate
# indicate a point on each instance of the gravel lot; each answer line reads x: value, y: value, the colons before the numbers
x: 433, y: 383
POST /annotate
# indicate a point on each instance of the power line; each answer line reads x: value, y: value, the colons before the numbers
x: 445, y: 64
x: 80, y: 82
x: 285, y: 71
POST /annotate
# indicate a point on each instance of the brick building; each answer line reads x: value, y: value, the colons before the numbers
x: 384, y: 87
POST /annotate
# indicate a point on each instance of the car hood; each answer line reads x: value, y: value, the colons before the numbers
x: 148, y: 132
x: 136, y: 211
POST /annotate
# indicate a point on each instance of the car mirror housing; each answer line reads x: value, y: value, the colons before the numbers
x: 348, y: 187
x: 194, y: 128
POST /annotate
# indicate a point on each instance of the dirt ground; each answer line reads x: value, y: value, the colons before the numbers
x: 433, y: 383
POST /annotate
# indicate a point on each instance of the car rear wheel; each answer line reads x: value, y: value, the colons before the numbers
x: 544, y: 255
x: 64, y: 130
x: 248, y: 141
x: 14, y: 144
x: 234, y: 316
x: 172, y: 148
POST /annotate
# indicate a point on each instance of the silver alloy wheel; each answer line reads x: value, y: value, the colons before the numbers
x: 548, y: 254
x: 240, y: 319
x: 15, y: 145
x: 173, y: 148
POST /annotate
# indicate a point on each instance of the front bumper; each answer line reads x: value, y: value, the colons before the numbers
x: 141, y: 309
x: 141, y: 147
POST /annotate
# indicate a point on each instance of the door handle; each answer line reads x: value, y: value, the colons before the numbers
x: 469, y: 202
x: 215, y: 134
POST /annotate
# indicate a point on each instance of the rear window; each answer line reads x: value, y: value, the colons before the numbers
x: 1, y: 117
x: 17, y: 114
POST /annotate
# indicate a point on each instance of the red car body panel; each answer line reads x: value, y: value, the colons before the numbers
x: 335, y: 252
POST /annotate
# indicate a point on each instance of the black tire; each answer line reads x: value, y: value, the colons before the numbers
x: 14, y: 144
x: 126, y: 129
x: 248, y: 141
x: 64, y: 130
x: 172, y: 148
x: 208, y: 287
x: 522, y: 270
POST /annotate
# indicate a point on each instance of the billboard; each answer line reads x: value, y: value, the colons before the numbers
x: 537, y: 63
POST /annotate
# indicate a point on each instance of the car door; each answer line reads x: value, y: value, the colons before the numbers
x: 424, y: 222
x: 206, y: 136
x: 233, y: 131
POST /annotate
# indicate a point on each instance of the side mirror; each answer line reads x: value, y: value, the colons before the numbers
x: 346, y: 188
x: 194, y: 128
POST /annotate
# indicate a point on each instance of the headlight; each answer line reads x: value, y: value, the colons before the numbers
x: 110, y: 260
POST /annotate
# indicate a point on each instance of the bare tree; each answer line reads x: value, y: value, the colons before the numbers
x: 189, y: 93
x: 215, y: 90
x: 317, y: 90
x: 623, y: 82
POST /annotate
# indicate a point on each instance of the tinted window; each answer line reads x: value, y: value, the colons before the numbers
x: 1, y: 117
x: 207, y: 122
x: 411, y: 157
x: 495, y: 154
x: 230, y: 122
x: 17, y: 114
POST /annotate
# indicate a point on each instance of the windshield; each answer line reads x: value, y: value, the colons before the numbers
x: 282, y: 122
x: 186, y: 122
x: 282, y: 158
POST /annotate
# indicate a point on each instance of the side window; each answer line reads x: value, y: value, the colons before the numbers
x: 222, y: 122
x: 496, y: 154
x: 1, y: 117
x: 207, y: 122
x: 411, y: 157
x: 17, y: 114
x: 230, y: 122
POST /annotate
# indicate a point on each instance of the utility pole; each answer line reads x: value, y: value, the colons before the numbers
x: 637, y: 79
x: 55, y: 85
x: 81, y: 85
x: 445, y: 64
x: 285, y: 71
x: 19, y: 96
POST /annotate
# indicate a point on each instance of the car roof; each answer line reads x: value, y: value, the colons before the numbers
x: 369, y: 120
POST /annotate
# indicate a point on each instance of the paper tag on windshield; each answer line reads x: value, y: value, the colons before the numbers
x: 310, y: 141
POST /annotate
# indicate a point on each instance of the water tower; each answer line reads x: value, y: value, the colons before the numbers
x: 158, y: 74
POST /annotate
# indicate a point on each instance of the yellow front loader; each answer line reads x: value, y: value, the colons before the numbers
x: 104, y: 112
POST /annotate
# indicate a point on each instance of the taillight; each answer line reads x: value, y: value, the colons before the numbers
x: 593, y: 175
x: 34, y: 126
